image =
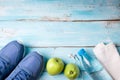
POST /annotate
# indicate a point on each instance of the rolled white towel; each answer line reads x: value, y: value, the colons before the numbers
x: 109, y: 57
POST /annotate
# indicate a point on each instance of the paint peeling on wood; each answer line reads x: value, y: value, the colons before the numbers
x: 57, y: 28
x: 46, y: 18
x: 111, y: 24
x: 35, y: 34
x: 60, y: 10
x: 7, y: 32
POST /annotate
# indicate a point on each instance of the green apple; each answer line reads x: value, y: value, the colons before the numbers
x: 54, y: 66
x: 71, y: 71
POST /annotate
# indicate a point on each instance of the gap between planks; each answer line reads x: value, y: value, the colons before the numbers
x: 61, y: 20
x: 63, y: 46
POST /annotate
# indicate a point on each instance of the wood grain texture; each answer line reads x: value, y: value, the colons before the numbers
x: 58, y: 28
x: 53, y: 34
x: 59, y: 10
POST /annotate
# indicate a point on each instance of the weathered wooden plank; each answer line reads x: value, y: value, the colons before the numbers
x: 62, y: 53
x: 59, y: 10
x: 53, y: 34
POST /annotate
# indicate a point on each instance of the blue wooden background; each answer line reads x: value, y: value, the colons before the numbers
x: 57, y: 28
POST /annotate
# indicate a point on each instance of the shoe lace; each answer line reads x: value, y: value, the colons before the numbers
x: 3, y: 66
x: 22, y: 75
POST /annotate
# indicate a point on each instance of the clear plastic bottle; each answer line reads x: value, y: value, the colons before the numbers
x: 92, y: 66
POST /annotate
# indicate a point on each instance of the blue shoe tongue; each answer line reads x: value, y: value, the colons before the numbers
x: 90, y: 63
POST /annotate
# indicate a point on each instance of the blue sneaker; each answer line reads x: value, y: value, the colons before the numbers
x: 29, y: 68
x: 10, y: 56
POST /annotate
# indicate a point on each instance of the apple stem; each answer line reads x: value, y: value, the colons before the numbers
x: 56, y: 60
x: 71, y: 72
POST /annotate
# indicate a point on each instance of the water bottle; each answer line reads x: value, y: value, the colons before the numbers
x: 93, y: 66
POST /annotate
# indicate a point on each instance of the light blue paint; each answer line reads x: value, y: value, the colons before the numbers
x: 29, y: 21
x: 38, y: 34
x: 64, y: 53
x: 60, y: 9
